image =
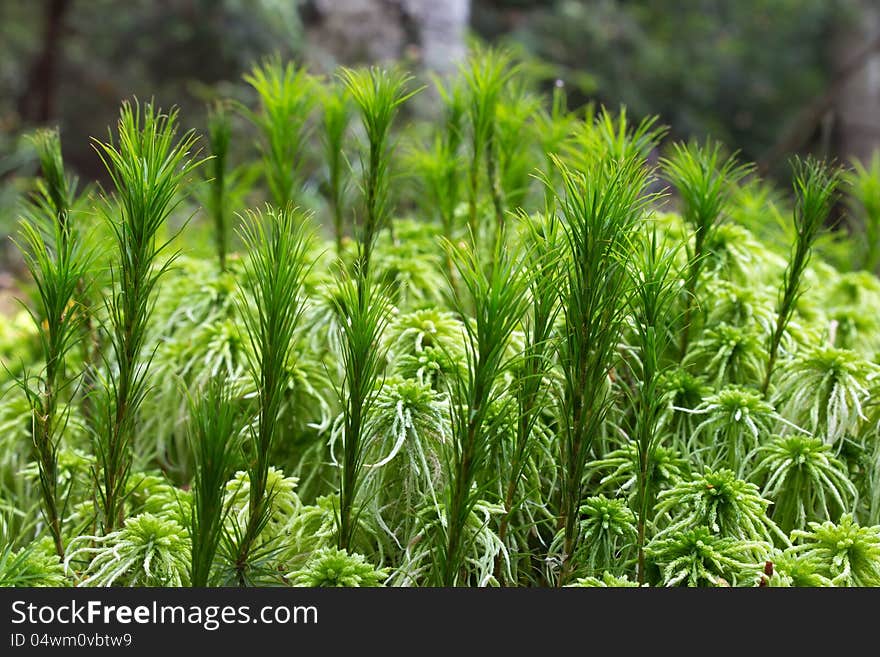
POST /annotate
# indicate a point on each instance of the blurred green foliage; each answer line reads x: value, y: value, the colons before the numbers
x: 738, y: 71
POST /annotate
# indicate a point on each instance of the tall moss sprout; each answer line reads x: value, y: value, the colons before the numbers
x: 52, y: 245
x: 704, y: 179
x: 335, y: 122
x: 378, y: 95
x: 278, y: 244
x: 653, y: 305
x: 149, y: 166
x: 213, y: 438
x: 498, y: 294
x: 485, y: 74
x: 600, y: 211
x: 286, y: 96
x: 815, y: 186
x: 534, y: 369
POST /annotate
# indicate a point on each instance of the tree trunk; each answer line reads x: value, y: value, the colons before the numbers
x: 426, y: 34
x: 36, y: 103
x: 857, y: 105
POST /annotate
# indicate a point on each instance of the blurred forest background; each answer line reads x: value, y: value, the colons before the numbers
x: 768, y: 77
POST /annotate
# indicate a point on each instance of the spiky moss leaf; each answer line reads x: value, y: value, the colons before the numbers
x: 483, y: 549
x: 685, y: 392
x: 749, y: 308
x: 147, y: 551
x: 732, y: 422
x: 824, y: 390
x: 845, y: 553
x: 278, y: 242
x: 815, y: 184
x: 497, y: 298
x: 810, y: 322
x: 697, y: 557
x: 322, y: 328
x: 791, y: 570
x: 330, y: 567
x: 284, y: 502
x: 150, y: 167
x: 763, y: 210
x: 199, y: 337
x: 605, y: 133
x: 16, y: 419
x: 151, y: 492
x: 411, y: 265
x: 606, y: 580
x: 313, y: 527
x: 852, y: 301
x: 607, y: 535
x: 804, y: 480
x: 666, y: 468
x: 426, y: 345
x: 735, y: 254
x: 34, y: 565
x: 378, y: 93
x: 727, y: 354
x: 721, y: 503
x: 409, y: 424
x: 602, y: 209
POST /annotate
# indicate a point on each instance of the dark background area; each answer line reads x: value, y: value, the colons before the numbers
x: 768, y: 77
